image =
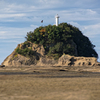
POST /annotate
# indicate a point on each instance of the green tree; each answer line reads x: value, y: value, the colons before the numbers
x: 58, y: 40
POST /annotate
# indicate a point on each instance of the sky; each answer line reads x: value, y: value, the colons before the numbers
x: 17, y: 17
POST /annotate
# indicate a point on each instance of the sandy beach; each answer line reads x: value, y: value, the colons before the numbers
x: 48, y: 84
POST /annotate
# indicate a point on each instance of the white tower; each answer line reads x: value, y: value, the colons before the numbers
x: 57, y: 20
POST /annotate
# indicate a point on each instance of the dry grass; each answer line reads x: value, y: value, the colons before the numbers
x: 28, y: 87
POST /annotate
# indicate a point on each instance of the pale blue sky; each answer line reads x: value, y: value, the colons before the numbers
x: 17, y: 17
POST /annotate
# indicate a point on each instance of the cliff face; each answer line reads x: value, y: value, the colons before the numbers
x: 40, y: 59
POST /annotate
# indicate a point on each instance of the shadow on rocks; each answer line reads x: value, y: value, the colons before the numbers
x: 2, y: 65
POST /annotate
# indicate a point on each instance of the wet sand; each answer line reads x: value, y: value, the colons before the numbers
x: 55, y: 74
x: 49, y: 84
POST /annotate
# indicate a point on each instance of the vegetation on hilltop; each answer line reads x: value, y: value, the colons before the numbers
x: 58, y: 40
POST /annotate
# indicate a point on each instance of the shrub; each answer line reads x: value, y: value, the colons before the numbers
x: 25, y: 52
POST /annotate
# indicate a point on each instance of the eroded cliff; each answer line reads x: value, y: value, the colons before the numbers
x: 39, y: 58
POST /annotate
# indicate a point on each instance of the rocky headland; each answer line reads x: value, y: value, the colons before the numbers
x: 63, y: 46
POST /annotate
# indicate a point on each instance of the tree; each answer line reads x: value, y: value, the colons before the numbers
x: 59, y: 39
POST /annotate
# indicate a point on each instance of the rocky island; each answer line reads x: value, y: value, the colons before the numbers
x: 62, y: 45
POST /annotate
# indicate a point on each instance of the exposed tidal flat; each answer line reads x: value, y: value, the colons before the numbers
x: 48, y: 83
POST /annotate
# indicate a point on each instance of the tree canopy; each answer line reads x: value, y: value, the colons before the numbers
x: 58, y: 40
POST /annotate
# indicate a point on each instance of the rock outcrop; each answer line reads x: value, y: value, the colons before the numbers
x: 77, y: 61
x: 41, y: 59
x: 15, y: 59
